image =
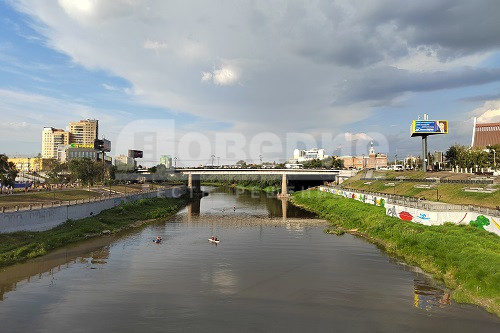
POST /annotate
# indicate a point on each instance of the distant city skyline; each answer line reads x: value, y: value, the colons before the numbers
x: 227, y: 76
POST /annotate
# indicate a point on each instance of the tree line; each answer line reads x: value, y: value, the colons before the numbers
x: 466, y: 157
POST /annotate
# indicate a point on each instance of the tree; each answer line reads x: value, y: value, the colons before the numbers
x: 55, y: 171
x: 85, y: 170
x: 8, y: 171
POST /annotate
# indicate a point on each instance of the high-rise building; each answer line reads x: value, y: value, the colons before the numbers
x: 166, y: 160
x: 51, y: 139
x: 125, y: 163
x: 84, y: 131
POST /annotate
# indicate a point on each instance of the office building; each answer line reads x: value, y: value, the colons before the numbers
x: 166, y: 160
x: 309, y: 155
x: 125, y: 163
x: 84, y: 131
x: 52, y: 138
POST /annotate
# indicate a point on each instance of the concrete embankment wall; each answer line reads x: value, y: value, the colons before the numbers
x: 435, y: 214
x: 48, y: 218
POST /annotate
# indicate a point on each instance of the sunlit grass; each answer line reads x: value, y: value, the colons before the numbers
x: 467, y: 259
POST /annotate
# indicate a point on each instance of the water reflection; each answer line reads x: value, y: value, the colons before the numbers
x: 275, y: 268
x: 426, y: 297
x: 92, y: 254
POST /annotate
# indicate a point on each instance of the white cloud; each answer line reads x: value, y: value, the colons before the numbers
x: 154, y: 45
x: 357, y: 136
x: 297, y: 66
x: 109, y: 87
x: 223, y: 76
x: 488, y: 113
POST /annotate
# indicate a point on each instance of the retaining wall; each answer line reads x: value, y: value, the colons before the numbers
x: 48, y: 218
x: 447, y: 213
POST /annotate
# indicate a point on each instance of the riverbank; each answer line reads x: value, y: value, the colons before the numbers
x: 465, y: 258
x: 484, y: 195
x: 20, y: 246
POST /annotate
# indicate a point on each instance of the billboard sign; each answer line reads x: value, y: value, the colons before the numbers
x: 106, y: 145
x: 81, y: 145
x: 429, y: 127
x: 134, y: 153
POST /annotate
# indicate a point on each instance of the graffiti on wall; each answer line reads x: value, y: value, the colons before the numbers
x: 480, y: 222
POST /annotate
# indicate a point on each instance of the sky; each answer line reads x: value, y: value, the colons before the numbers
x: 231, y: 80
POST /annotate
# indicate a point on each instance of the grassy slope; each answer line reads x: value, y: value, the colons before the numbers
x: 449, y: 193
x: 465, y: 258
x: 19, y: 246
x: 10, y: 200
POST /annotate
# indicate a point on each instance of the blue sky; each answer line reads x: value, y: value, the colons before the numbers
x: 241, y: 79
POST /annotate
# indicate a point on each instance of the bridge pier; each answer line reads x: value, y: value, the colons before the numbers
x: 284, y: 186
x: 194, y: 183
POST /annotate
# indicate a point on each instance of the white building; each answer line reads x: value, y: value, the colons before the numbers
x: 309, y: 155
x: 51, y: 139
x: 125, y: 163
x: 166, y: 160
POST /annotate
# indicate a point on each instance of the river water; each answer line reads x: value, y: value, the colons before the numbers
x: 273, y: 271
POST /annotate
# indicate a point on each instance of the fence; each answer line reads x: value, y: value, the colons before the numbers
x: 45, y: 218
x: 417, y: 203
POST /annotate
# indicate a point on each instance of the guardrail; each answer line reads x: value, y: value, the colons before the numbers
x: 439, y: 180
x: 413, y: 202
x: 59, y: 203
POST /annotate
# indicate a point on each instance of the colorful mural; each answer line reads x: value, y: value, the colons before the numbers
x: 422, y: 216
x: 480, y: 222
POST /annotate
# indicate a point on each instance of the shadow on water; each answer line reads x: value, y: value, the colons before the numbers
x: 297, y: 267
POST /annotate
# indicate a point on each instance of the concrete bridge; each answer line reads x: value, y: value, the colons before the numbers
x: 194, y: 175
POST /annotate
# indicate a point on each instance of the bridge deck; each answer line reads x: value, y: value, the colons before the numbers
x: 257, y: 171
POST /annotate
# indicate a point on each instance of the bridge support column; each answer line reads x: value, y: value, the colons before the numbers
x: 284, y: 185
x: 194, y: 183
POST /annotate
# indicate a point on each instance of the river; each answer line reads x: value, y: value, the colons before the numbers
x: 273, y: 271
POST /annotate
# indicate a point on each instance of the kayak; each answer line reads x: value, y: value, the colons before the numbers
x: 214, y: 241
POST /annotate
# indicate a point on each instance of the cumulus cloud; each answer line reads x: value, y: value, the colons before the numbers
x: 223, y: 76
x: 357, y: 136
x: 489, y: 112
x: 289, y: 66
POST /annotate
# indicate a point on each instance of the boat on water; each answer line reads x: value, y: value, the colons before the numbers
x: 216, y: 241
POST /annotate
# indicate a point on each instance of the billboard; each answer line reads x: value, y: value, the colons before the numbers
x: 135, y: 153
x: 102, y: 145
x: 428, y: 127
x: 81, y: 145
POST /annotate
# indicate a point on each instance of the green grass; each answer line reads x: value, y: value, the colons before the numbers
x: 10, y: 200
x: 19, y: 246
x: 465, y: 258
x: 449, y: 193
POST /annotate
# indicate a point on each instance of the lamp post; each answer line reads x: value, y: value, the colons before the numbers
x: 175, y: 162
